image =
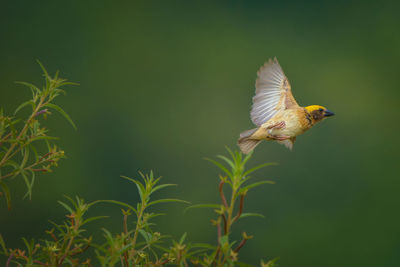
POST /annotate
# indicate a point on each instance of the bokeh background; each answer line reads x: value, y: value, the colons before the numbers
x: 165, y: 84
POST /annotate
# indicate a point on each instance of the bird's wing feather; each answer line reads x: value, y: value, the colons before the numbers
x: 273, y: 93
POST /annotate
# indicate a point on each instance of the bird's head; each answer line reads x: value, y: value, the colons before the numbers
x: 318, y: 113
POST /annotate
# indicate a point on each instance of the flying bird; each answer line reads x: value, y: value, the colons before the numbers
x: 276, y: 113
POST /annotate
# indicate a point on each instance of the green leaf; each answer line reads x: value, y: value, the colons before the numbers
x: 230, y: 152
x: 25, y: 152
x: 147, y: 236
x: 167, y: 200
x: 59, y: 227
x: 124, y: 248
x: 66, y: 207
x: 46, y: 75
x: 236, y: 157
x: 227, y: 161
x: 29, y: 184
x: 28, y: 245
x: 153, y: 215
x: 244, y: 215
x: 32, y: 147
x: 67, y: 83
x: 114, y: 202
x: 224, y: 240
x: 61, y: 91
x: 220, y: 166
x: 246, y: 159
x: 94, y: 219
x: 254, y: 185
x: 29, y: 102
x: 158, y: 187
x: 7, y: 194
x: 12, y: 163
x: 43, y: 138
x: 194, y: 252
x: 182, y: 238
x: 72, y: 201
x: 3, y: 244
x: 270, y: 263
x: 202, y: 245
x: 31, y: 86
x: 200, y: 206
x: 62, y: 112
x: 139, y: 186
x: 259, y: 167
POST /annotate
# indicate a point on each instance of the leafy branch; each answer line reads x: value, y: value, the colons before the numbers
x: 21, y: 140
x: 138, y: 246
x: 237, y: 178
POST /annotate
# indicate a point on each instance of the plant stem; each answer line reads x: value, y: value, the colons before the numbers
x: 126, y: 233
x: 42, y: 160
x: 75, y: 228
x: 9, y: 259
x: 139, y: 221
x: 23, y: 131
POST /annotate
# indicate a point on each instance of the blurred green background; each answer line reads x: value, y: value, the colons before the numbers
x: 164, y: 84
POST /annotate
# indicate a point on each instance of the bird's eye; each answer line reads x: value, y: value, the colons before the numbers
x: 321, y: 109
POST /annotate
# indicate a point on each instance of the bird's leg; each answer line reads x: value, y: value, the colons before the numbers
x: 278, y: 125
x: 279, y: 137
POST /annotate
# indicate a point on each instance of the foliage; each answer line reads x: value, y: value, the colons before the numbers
x: 226, y: 252
x: 21, y: 141
x: 138, y: 243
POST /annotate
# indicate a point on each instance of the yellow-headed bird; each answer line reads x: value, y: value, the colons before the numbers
x: 275, y: 111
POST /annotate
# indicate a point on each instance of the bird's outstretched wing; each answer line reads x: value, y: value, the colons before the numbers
x: 273, y: 93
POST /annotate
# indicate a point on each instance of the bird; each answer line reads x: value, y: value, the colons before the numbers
x: 276, y: 113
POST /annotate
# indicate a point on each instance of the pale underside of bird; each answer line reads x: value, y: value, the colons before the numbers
x: 275, y: 112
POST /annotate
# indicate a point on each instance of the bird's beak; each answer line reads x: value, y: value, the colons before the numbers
x: 328, y: 113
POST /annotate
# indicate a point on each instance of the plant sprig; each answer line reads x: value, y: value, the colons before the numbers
x: 67, y: 242
x: 20, y: 139
x: 237, y: 177
x: 139, y: 246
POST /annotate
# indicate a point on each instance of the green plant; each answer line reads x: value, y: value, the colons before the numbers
x: 66, y: 244
x: 140, y: 246
x: 70, y: 243
x: 21, y: 141
x: 237, y: 177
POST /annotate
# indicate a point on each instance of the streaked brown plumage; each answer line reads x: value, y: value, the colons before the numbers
x: 276, y: 112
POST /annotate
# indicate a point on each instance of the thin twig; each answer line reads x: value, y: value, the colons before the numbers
x: 125, y: 224
x: 9, y: 259
x: 219, y: 231
x: 73, y: 252
x: 225, y: 224
x: 221, y: 192
x: 24, y: 129
x: 241, y: 244
x: 5, y: 138
x: 164, y: 262
x: 71, y: 240
x: 240, y: 209
x: 39, y: 262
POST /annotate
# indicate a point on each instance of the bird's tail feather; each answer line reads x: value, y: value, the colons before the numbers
x: 246, y: 144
